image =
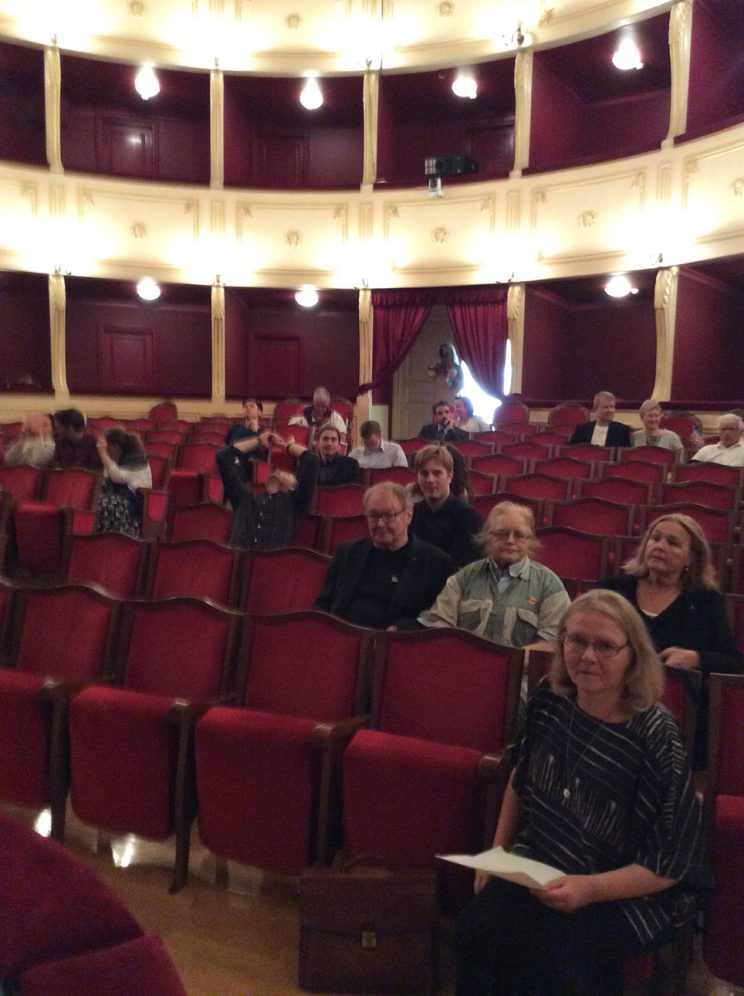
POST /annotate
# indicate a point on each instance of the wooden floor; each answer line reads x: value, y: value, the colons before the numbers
x: 240, y: 939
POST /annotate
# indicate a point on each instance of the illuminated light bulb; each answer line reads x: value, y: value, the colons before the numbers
x: 148, y: 290
x: 465, y: 85
x: 627, y: 56
x: 619, y: 286
x: 146, y: 82
x: 307, y: 296
x: 311, y: 97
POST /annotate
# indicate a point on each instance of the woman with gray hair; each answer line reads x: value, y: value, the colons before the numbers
x: 601, y: 791
x: 506, y: 597
x: 652, y: 434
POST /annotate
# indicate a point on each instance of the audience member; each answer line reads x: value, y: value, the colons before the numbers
x: 507, y: 597
x: 75, y: 446
x: 318, y: 414
x: 387, y: 580
x: 652, y: 434
x: 249, y: 428
x: 268, y: 520
x: 334, y: 468
x: 602, y: 791
x: 125, y: 471
x: 602, y: 430
x: 443, y: 428
x: 35, y: 446
x: 375, y: 453
x: 465, y: 418
x: 729, y: 450
x: 441, y: 519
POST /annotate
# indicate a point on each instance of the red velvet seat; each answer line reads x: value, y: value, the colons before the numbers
x: 542, y: 486
x: 511, y: 413
x: 481, y: 484
x: 636, y: 470
x: 498, y: 465
x: 131, y: 747
x: 444, y: 709
x: 199, y: 568
x: 23, y: 483
x: 338, y: 529
x: 681, y: 696
x: 531, y: 450
x: 618, y: 489
x: 62, y: 637
x: 309, y: 533
x: 585, y: 451
x: 722, y: 496
x: 564, y: 467
x: 474, y: 447
x: 649, y: 454
x: 162, y: 448
x: 113, y: 561
x: 715, y: 473
x: 287, y: 580
x: 496, y: 436
x: 573, y: 554
x: 266, y: 771
x: 718, y: 525
x: 185, y: 487
x: 568, y: 413
x: 205, y: 520
x: 198, y: 456
x: 723, y: 940
x: 160, y: 466
x: 339, y: 499
x: 593, y: 515
x: 401, y: 475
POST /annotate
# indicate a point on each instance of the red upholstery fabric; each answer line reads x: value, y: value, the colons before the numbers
x: 123, y: 754
x: 724, y: 935
x: 585, y: 451
x: 341, y: 499
x: 199, y: 457
x: 716, y: 524
x: 340, y: 529
x: 538, y: 486
x: 111, y: 560
x: 564, y: 467
x: 177, y: 649
x: 572, y: 554
x: 593, y: 515
x: 419, y: 697
x: 716, y: 473
x: 184, y: 487
x: 39, y: 532
x: 304, y: 667
x: 285, y: 580
x: 162, y: 411
x: 651, y: 454
x: 25, y: 719
x: 408, y: 799
x: 206, y: 521
x: 257, y: 777
x: 141, y: 967
x: 72, y: 488
x: 199, y: 568
x: 53, y: 905
x: 730, y: 774
x: 617, y: 489
x: 706, y: 493
x: 637, y: 470
x: 498, y: 464
x: 65, y: 632
x: 22, y: 482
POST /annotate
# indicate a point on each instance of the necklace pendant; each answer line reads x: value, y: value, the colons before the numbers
x: 567, y: 793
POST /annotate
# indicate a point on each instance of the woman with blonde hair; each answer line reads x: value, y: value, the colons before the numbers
x: 652, y: 434
x: 601, y: 791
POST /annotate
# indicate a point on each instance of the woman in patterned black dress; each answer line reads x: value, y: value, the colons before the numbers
x: 602, y: 791
x: 125, y: 471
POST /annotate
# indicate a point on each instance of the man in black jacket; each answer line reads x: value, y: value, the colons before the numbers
x: 602, y: 430
x: 335, y: 468
x: 443, y: 428
x: 387, y: 580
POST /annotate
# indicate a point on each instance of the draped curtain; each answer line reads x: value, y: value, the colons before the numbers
x: 478, y: 318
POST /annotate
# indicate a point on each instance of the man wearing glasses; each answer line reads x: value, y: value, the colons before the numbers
x: 387, y: 580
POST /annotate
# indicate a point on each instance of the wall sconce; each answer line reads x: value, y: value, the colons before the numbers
x: 146, y: 82
x: 311, y: 96
x: 148, y: 290
x: 627, y: 55
x: 465, y: 85
x: 619, y: 286
x: 307, y: 296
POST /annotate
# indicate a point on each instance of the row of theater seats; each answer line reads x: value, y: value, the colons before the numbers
x: 152, y: 714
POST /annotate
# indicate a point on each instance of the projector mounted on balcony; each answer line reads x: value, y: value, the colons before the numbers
x: 437, y: 168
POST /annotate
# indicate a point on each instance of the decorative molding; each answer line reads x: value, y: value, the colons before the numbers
x: 737, y: 187
x: 293, y: 21
x: 587, y: 219
x: 440, y: 234
x: 293, y: 237
x: 446, y: 8
x: 136, y: 8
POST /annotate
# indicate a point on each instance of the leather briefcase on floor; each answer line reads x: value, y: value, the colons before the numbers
x: 366, y: 929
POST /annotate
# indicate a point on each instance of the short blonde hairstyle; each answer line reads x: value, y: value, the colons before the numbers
x: 644, y: 680
x: 649, y: 405
x: 701, y: 572
x: 439, y: 454
x: 603, y: 396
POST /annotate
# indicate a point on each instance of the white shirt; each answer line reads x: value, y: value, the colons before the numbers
x: 729, y: 456
x: 599, y: 436
x: 387, y: 455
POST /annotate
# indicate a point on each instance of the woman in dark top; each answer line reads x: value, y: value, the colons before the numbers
x: 671, y: 583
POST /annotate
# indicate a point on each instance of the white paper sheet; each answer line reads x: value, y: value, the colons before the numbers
x: 512, y: 867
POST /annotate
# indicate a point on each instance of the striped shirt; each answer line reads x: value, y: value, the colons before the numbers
x: 630, y: 800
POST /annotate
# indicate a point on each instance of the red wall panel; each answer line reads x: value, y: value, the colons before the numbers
x: 24, y: 329
x: 545, y: 352
x: 716, y: 69
x: 556, y: 117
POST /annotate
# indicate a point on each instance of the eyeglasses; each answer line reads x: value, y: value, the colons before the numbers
x: 387, y: 517
x: 504, y: 534
x: 604, y: 649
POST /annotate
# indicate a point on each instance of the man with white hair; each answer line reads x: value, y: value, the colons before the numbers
x: 602, y: 430
x: 319, y: 414
x: 729, y: 450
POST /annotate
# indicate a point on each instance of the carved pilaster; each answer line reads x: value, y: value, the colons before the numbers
x: 217, y: 129
x: 371, y: 101
x: 523, y: 109
x: 57, y: 314
x: 52, y: 108
x: 515, y: 322
x: 680, y: 34
x: 218, y: 344
x: 665, y: 310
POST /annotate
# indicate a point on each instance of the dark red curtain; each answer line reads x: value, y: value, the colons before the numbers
x: 479, y: 322
x: 398, y: 317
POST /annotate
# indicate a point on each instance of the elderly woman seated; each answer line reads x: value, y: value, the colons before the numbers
x: 603, y: 793
x: 506, y: 597
x: 652, y: 434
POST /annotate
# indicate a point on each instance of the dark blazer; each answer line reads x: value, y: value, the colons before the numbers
x: 339, y: 470
x: 618, y: 434
x: 427, y: 570
x: 433, y: 432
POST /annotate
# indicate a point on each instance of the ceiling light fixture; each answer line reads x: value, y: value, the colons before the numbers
x: 627, y: 55
x: 146, y: 82
x: 307, y: 296
x: 465, y: 85
x: 148, y: 290
x: 311, y: 97
x: 619, y: 286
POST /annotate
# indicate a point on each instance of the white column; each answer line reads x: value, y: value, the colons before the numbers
x: 680, y: 35
x: 57, y: 315
x: 218, y: 344
x: 523, y: 111
x: 52, y: 108
x: 665, y: 308
x: 217, y: 129
x: 515, y: 320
